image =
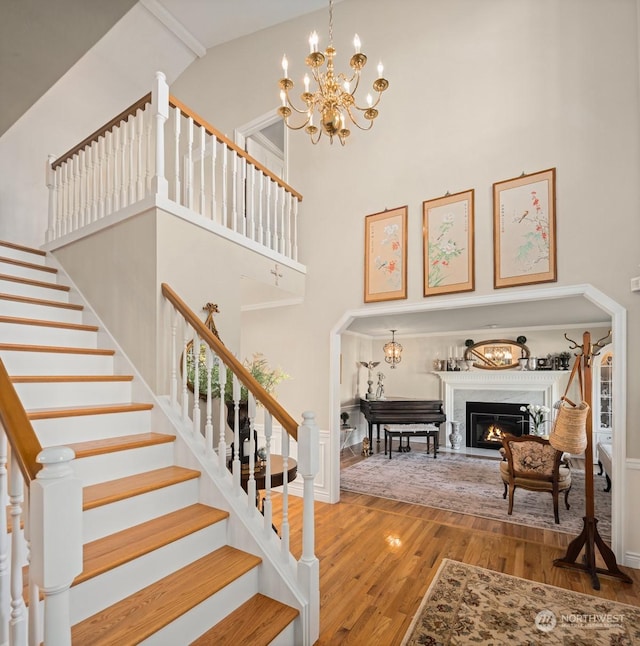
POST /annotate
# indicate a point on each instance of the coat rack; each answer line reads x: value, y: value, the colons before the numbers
x: 589, y: 538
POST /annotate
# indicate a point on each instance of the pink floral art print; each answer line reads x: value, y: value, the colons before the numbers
x: 448, y: 244
x: 385, y: 264
x: 524, y: 230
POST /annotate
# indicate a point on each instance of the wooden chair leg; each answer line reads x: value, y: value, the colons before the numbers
x: 504, y: 495
x: 555, y: 506
x: 511, y: 490
x: 566, y: 498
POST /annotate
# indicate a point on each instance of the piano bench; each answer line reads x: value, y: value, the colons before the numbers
x: 407, y: 431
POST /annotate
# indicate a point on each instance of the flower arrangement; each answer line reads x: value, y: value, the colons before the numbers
x: 537, y: 417
x: 258, y: 367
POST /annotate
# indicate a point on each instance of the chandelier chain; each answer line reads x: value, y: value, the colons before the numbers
x: 330, y: 22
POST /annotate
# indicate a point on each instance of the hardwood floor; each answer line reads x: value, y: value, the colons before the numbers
x: 377, y: 558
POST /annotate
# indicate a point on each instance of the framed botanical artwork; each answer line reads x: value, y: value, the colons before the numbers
x: 524, y: 230
x: 447, y: 232
x: 385, y: 255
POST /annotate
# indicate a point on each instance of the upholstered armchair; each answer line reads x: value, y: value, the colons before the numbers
x: 532, y: 463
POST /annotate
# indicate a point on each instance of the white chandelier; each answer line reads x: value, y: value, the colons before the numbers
x: 333, y: 98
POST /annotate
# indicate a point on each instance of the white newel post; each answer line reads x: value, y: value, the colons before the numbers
x: 308, y: 565
x: 160, y: 105
x: 51, y: 185
x: 56, y: 538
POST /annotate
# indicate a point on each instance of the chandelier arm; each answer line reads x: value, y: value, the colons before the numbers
x: 306, y: 123
x: 293, y: 107
x: 355, y: 122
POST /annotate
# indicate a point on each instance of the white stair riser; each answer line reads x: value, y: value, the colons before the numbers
x: 21, y: 309
x: 24, y: 256
x: 84, y: 428
x: 287, y: 636
x: 73, y: 393
x: 116, y: 516
x: 56, y: 363
x: 102, y: 591
x: 34, y: 291
x: 198, y: 620
x: 26, y: 272
x: 122, y: 464
x: 43, y: 335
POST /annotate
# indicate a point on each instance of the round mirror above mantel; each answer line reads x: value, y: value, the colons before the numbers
x: 497, y: 354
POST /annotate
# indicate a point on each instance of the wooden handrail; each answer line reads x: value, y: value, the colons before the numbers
x: 188, y: 112
x: 22, y: 438
x: 272, y: 405
x: 125, y: 114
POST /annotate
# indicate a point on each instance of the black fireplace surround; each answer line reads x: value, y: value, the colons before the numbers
x: 487, y: 421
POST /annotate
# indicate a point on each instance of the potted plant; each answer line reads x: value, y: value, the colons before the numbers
x: 564, y: 360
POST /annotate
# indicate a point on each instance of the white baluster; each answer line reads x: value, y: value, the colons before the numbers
x: 214, y: 206
x: 284, y: 528
x: 261, y: 232
x: 117, y: 177
x: 18, y: 621
x: 148, y: 182
x: 236, y: 435
x: 242, y: 194
x: 33, y: 616
x: 65, y: 197
x: 251, y: 210
x: 108, y: 142
x: 52, y: 206
x: 185, y: 391
x: 208, y: 426
x: 283, y: 207
x: 286, y: 226
x: 5, y: 581
x: 234, y: 191
x: 269, y: 232
x: 56, y: 494
x: 131, y: 157
x: 188, y: 167
x: 251, y: 483
x: 267, y: 503
x: 202, y: 201
x: 140, y: 154
x: 59, y: 200
x: 223, y: 215
x: 174, y: 359
x: 75, y: 192
x: 95, y: 171
x: 124, y: 130
x: 160, y: 105
x: 196, y: 385
x: 273, y: 187
x: 176, y: 156
x: 294, y: 226
x: 222, y: 442
x: 100, y: 147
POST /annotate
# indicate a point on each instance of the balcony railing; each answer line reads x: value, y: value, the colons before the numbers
x: 160, y: 147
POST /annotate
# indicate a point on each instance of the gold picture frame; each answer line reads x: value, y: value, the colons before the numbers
x: 448, y: 244
x: 524, y: 230
x: 385, y: 257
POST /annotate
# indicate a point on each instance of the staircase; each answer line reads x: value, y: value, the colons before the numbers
x: 157, y: 566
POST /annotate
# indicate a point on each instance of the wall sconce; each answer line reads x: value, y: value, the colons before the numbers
x: 392, y: 351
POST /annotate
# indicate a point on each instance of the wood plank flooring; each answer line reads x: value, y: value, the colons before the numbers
x: 377, y: 558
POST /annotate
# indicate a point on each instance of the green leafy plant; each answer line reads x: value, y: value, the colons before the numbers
x: 258, y: 367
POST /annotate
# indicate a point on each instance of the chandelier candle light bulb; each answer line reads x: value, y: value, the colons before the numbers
x: 334, y: 95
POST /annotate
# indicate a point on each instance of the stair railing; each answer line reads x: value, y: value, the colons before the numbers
x: 52, y: 513
x: 186, y: 328
x: 159, y: 148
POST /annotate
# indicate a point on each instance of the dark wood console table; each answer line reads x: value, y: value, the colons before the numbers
x: 277, y: 473
x: 401, y: 410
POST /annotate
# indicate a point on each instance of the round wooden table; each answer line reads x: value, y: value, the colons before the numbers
x: 277, y: 473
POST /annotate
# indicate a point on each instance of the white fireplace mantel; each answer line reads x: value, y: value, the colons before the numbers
x: 530, y: 386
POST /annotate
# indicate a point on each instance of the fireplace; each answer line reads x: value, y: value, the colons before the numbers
x: 488, y: 421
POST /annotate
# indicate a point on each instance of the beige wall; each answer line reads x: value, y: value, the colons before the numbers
x: 479, y: 92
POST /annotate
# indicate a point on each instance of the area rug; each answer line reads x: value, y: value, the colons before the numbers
x: 466, y: 604
x: 472, y: 485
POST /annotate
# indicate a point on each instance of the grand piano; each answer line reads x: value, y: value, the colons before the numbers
x: 401, y: 410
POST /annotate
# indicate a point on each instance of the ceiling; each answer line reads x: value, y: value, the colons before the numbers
x: 41, y: 39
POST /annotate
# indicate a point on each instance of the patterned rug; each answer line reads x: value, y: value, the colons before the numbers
x: 466, y: 604
x: 472, y: 485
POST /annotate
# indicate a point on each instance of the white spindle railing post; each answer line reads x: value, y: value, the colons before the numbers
x: 308, y: 565
x: 223, y: 216
x: 188, y: 167
x: 251, y: 483
x: 185, y: 391
x: 51, y: 186
x: 5, y: 582
x: 208, y: 426
x: 236, y: 435
x: 177, y: 190
x: 234, y: 192
x: 267, y: 504
x: 174, y: 358
x: 95, y: 171
x: 277, y: 234
x: 251, y: 206
x: 56, y: 521
x: 284, y: 528
x: 117, y: 175
x: 222, y: 442
x: 131, y: 120
x: 140, y: 154
x: 108, y: 142
x: 160, y: 104
x: 268, y: 241
x: 214, y: 148
x: 18, y: 620
x: 34, y: 627
x: 195, y: 353
x: 202, y: 200
x: 260, y: 207
x: 294, y: 227
x: 100, y: 147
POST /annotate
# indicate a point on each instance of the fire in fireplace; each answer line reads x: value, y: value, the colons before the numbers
x: 487, y: 422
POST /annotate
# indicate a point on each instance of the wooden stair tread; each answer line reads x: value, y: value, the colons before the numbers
x: 76, y: 411
x: 20, y: 247
x: 40, y: 301
x: 44, y: 323
x: 34, y: 283
x: 28, y: 265
x: 104, y: 493
x: 55, y: 348
x: 45, y: 379
x: 140, y: 615
x: 122, y: 443
x: 107, y: 553
x: 258, y: 622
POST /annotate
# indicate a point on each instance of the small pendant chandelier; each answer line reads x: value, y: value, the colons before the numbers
x: 392, y: 351
x: 333, y: 98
